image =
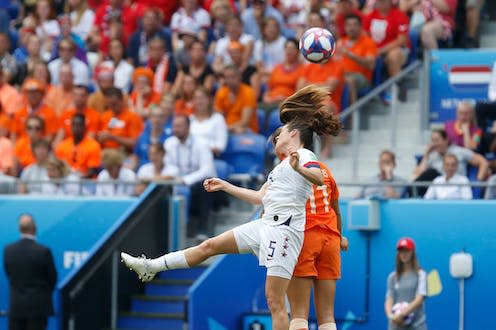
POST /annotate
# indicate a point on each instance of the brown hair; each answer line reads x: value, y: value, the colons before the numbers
x: 307, y: 108
x: 399, y: 265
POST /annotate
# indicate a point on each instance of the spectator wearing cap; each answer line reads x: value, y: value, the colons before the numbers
x: 189, y: 17
x: 104, y: 76
x: 249, y: 73
x: 10, y: 99
x: 34, y: 131
x: 143, y: 95
x: 187, y: 35
x: 123, y: 71
x: 258, y: 11
x: 7, y: 61
x: 234, y: 32
x: 198, y: 68
x: 152, y: 26
x: 80, y: 70
x: 120, y: 126
x: 80, y: 151
x: 34, y: 91
x: 237, y: 102
x: 407, y: 283
x: 125, y: 179
x: 92, y: 117
x: 60, y: 97
x: 162, y: 64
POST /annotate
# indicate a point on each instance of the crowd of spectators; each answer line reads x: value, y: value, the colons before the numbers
x: 103, y: 89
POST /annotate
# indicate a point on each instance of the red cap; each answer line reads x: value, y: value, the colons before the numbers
x: 405, y: 243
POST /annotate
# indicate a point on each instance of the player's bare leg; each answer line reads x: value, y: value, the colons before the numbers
x: 275, y: 291
x: 299, y: 300
x: 325, y: 291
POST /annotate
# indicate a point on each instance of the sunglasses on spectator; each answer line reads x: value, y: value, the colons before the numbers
x: 31, y: 127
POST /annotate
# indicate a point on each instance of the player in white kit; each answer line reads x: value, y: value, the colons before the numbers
x: 277, y: 237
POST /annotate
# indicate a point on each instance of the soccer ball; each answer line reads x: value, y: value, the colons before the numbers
x: 400, y: 306
x: 317, y: 45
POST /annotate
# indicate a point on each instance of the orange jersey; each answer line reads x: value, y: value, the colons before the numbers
x: 92, y: 118
x: 81, y: 157
x: 23, y: 151
x: 282, y: 82
x: 364, y: 46
x: 45, y: 112
x: 232, y: 108
x: 126, y: 124
x: 183, y: 107
x: 319, y: 209
x: 322, y: 73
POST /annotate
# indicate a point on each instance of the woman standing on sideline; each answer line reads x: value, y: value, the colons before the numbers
x: 277, y: 237
x: 406, y: 290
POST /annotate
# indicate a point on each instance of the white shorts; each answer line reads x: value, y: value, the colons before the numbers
x: 277, y: 247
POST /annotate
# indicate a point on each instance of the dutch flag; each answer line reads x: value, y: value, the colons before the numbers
x: 467, y: 76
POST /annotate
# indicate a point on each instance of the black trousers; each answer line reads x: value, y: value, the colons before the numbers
x: 485, y: 113
x: 199, y: 210
x: 28, y: 323
x: 428, y: 175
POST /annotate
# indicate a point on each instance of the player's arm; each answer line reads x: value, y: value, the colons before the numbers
x: 310, y: 171
x: 248, y: 195
x: 344, y: 240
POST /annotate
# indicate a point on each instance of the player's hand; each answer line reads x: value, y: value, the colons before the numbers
x: 344, y: 243
x: 398, y: 319
x: 213, y: 184
x: 294, y: 158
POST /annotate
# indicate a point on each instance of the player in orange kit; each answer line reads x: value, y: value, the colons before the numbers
x: 319, y: 260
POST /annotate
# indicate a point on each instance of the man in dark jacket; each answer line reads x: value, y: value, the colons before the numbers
x: 32, y: 277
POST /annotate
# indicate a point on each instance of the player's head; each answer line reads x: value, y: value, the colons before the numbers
x: 308, y: 112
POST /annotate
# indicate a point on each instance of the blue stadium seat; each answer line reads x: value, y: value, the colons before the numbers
x: 477, y: 192
x: 223, y: 169
x: 415, y: 47
x: 345, y: 97
x: 273, y: 122
x: 262, y: 121
x: 245, y: 153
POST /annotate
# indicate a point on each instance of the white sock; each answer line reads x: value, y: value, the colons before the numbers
x: 328, y: 326
x: 173, y: 260
x: 298, y: 324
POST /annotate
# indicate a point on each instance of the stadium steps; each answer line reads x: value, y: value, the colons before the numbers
x: 163, y: 304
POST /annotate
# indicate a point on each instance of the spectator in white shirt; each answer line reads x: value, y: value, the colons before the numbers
x: 58, y: 170
x: 438, y: 191
x: 194, y: 162
x: 156, y: 169
x: 207, y: 124
x: 82, y: 18
x: 67, y: 50
x: 37, y: 171
x: 112, y: 160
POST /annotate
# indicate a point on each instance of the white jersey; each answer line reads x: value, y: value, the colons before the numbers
x: 287, y: 192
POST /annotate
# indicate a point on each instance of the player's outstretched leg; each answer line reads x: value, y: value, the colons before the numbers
x: 147, y: 268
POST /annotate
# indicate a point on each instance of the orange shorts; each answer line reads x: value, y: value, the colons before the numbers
x: 320, y: 255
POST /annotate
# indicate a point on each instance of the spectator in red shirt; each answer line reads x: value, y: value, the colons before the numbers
x: 117, y: 8
x: 440, y: 21
x: 345, y: 8
x: 388, y: 27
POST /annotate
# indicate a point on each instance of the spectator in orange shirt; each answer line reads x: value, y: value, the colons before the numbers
x: 60, y: 97
x: 6, y: 146
x: 10, y: 99
x: 358, y: 55
x: 283, y: 79
x: 80, y: 151
x: 184, y: 104
x: 238, y: 102
x: 92, y: 117
x: 35, y: 92
x: 120, y: 126
x: 104, y: 76
x: 34, y: 130
x: 143, y: 95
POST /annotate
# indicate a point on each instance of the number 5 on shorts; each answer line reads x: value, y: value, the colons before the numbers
x: 272, y: 246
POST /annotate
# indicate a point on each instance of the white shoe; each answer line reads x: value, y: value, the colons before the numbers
x: 140, y: 265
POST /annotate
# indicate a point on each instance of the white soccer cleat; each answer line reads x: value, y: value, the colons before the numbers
x: 139, y: 265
